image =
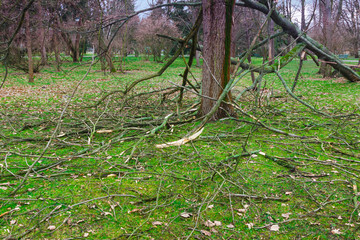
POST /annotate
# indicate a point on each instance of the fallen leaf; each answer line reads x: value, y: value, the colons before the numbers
x: 286, y: 215
x: 336, y: 231
x: 185, y: 215
x: 217, y: 223
x: 12, y: 222
x: 206, y: 233
x: 86, y: 234
x: 213, y: 230
x: 249, y: 225
x: 230, y: 226
x: 51, y: 227
x: 209, y: 223
x: 274, y: 228
x: 157, y: 223
x: 134, y: 210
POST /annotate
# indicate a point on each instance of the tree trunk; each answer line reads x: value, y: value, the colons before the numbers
x: 28, y: 47
x: 57, y: 52
x: 325, y: 6
x: 197, y: 57
x: 271, y: 46
x: 76, y: 48
x: 42, y: 37
x: 303, y: 23
x: 356, y: 48
x: 217, y: 24
x: 249, y: 55
x: 105, y: 55
x: 303, y: 26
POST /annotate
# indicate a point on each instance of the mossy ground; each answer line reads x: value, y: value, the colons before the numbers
x: 96, y: 185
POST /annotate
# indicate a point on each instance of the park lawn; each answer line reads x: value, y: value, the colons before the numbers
x: 102, y: 176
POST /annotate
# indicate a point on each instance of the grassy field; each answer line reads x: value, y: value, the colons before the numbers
x: 279, y: 170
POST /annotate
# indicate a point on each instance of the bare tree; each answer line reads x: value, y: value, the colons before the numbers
x: 351, y: 24
x: 29, y: 47
x: 146, y: 35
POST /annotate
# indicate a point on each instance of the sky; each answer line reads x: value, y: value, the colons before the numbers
x: 141, y: 4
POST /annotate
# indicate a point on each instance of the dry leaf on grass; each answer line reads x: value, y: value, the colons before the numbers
x: 157, y: 223
x: 209, y: 223
x: 181, y: 141
x: 51, y: 227
x: 275, y: 228
x: 336, y: 231
x: 134, y: 210
x: 249, y: 225
x: 230, y: 226
x: 217, y: 223
x: 185, y: 215
x: 286, y: 215
x: 241, y: 210
x: 206, y: 233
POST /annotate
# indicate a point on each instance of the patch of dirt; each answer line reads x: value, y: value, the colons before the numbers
x: 336, y: 80
x: 35, y: 91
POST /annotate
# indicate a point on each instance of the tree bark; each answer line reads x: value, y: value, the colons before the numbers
x: 271, y: 46
x: 57, y: 52
x: 325, y: 8
x: 197, y: 57
x: 28, y: 47
x: 303, y: 26
x: 217, y: 24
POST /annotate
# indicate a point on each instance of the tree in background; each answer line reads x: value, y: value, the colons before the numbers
x: 17, y: 34
x: 71, y: 15
x: 351, y: 25
x: 146, y: 35
x: 329, y: 16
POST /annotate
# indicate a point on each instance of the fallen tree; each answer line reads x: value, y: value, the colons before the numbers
x: 290, y: 28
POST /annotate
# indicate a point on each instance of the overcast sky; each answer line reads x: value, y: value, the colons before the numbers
x: 141, y: 4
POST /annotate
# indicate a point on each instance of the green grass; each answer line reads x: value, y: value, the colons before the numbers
x: 152, y: 188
